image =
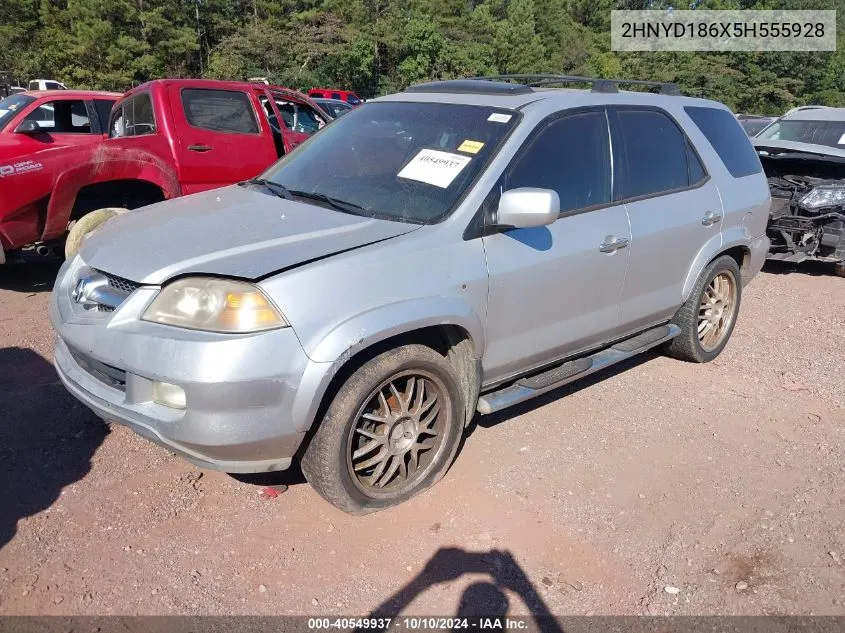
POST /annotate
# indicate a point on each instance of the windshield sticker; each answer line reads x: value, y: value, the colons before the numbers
x: 471, y: 147
x: 841, y: 140
x: 498, y: 117
x: 19, y: 168
x: 434, y: 168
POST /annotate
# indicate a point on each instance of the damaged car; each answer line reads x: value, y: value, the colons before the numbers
x: 803, y: 155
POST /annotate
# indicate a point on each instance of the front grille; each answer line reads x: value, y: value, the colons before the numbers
x: 106, y: 374
x: 120, y: 283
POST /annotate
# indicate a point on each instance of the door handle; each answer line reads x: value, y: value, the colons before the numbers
x: 200, y: 148
x: 711, y: 218
x: 611, y: 244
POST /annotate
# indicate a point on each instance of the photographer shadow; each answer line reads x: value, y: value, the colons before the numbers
x: 47, y: 438
x: 482, y: 599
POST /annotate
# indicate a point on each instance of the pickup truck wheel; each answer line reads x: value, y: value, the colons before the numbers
x: 391, y: 431
x: 839, y: 269
x: 84, y: 225
x: 708, y: 317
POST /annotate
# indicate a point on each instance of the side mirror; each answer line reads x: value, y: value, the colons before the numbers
x: 28, y: 127
x: 528, y: 207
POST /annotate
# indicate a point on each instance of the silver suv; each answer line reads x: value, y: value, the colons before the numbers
x: 489, y: 241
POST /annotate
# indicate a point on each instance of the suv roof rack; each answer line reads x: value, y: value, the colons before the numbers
x: 598, y: 84
x: 458, y: 86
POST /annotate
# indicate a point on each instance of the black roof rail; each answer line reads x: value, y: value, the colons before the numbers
x: 458, y: 86
x: 599, y: 84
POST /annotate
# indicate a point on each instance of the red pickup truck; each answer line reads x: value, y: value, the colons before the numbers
x: 163, y: 139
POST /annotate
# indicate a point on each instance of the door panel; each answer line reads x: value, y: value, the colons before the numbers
x: 669, y: 198
x: 220, y: 139
x: 554, y: 290
x: 666, y: 235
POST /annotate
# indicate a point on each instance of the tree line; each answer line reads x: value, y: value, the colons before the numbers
x: 380, y: 46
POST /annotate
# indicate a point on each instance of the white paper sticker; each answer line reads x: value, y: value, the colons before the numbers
x: 435, y: 168
x: 841, y: 140
x: 498, y: 117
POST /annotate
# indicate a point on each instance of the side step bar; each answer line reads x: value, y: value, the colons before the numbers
x: 527, y: 388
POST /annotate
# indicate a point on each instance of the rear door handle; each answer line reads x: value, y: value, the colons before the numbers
x: 200, y: 148
x: 611, y: 244
x: 711, y: 218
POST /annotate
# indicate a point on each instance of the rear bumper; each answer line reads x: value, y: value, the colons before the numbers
x: 759, y: 248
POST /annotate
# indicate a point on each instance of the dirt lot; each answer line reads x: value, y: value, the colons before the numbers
x: 662, y: 487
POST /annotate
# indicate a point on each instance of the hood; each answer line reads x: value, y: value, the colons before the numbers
x: 764, y: 145
x: 235, y: 232
x: 787, y: 158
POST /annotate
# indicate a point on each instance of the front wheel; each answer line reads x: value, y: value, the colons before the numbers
x: 839, y: 269
x: 391, y: 431
x: 87, y: 224
x: 708, y: 316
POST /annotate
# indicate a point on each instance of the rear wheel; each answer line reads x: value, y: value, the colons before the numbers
x: 85, y: 225
x: 391, y: 431
x: 708, y: 317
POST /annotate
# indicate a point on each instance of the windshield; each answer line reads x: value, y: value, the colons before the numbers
x: 10, y: 106
x: 409, y: 162
x: 829, y: 133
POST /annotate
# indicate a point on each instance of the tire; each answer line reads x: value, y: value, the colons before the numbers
x: 360, y: 485
x: 85, y: 225
x: 689, y: 345
x: 839, y: 269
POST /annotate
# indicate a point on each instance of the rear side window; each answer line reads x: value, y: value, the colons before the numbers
x: 219, y: 110
x: 655, y: 154
x: 697, y: 172
x: 728, y: 138
x: 336, y: 95
x: 581, y: 178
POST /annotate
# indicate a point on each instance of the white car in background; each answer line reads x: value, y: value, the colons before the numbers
x: 46, y: 84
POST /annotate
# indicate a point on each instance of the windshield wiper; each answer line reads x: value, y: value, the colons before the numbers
x: 279, y: 190
x: 339, y: 205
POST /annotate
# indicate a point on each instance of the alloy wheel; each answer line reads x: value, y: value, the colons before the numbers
x: 717, y: 310
x: 398, y: 434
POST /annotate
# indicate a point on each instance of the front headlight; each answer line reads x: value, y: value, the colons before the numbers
x: 215, y: 305
x: 824, y: 196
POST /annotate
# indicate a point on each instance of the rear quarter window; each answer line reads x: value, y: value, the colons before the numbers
x: 727, y: 137
x: 219, y: 110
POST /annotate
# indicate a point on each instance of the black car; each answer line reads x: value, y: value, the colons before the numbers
x: 333, y: 107
x: 754, y: 123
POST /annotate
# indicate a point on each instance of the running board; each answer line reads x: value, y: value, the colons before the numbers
x: 527, y: 388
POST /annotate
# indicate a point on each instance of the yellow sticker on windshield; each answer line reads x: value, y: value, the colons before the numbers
x: 471, y: 147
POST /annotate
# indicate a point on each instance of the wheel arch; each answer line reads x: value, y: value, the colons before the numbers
x: 107, y: 166
x: 322, y: 380
x: 738, y: 249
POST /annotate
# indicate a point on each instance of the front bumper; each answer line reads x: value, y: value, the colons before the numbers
x: 240, y: 390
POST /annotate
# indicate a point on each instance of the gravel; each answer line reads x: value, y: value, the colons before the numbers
x: 648, y: 476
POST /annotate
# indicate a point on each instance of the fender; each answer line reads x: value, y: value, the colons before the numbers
x: 106, y: 162
x: 731, y: 238
x: 336, y: 347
